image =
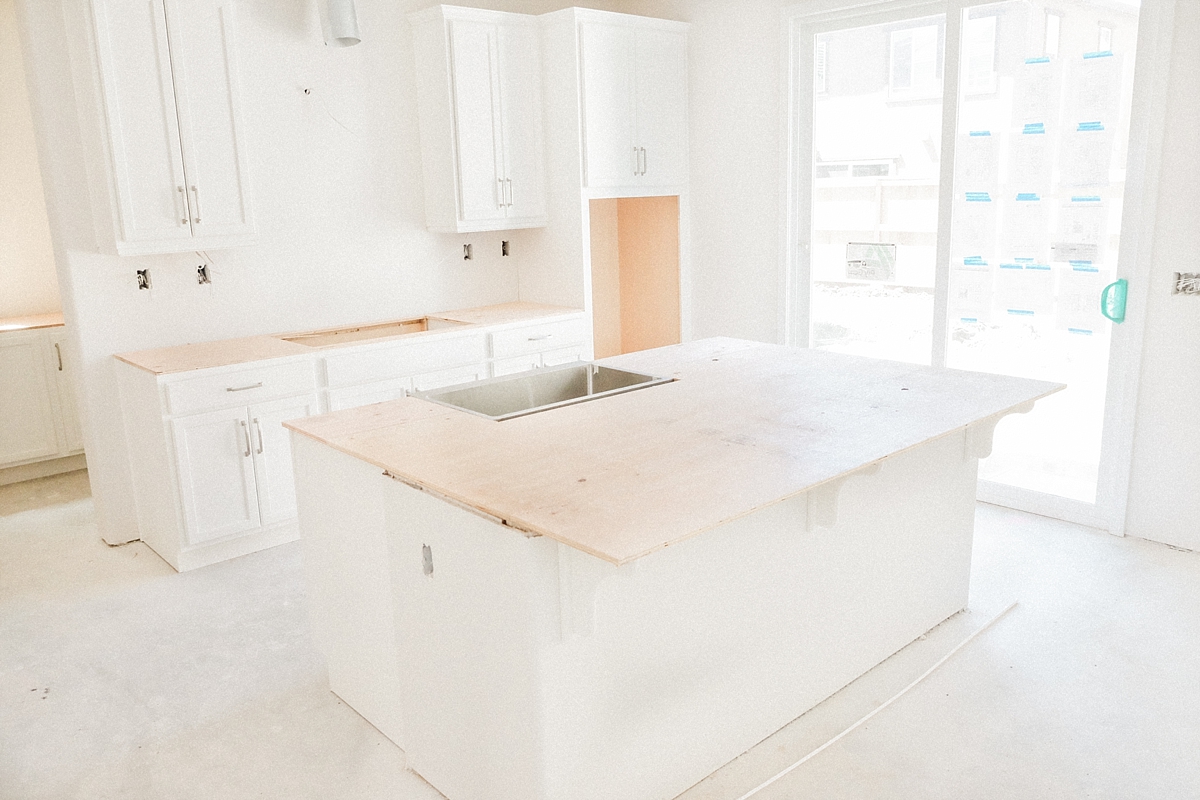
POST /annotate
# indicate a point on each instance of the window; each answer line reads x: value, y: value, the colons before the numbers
x: 979, y: 51
x: 821, y: 55
x: 914, y: 62
x: 1053, y: 28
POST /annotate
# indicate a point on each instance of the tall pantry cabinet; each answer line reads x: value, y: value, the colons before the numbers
x: 169, y: 94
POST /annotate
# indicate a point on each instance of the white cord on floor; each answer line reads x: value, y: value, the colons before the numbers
x: 902, y: 692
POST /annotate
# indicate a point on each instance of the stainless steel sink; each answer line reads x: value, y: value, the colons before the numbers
x: 381, y: 330
x: 539, y: 390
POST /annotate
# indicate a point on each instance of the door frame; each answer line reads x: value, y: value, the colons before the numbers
x: 1135, y: 255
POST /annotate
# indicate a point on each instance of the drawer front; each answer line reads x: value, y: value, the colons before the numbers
x: 401, y: 360
x: 511, y: 366
x: 240, y: 387
x: 450, y: 377
x: 538, y: 338
x: 355, y: 396
x: 564, y: 356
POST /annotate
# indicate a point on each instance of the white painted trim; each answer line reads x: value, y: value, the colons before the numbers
x: 1040, y: 503
x: 1135, y: 258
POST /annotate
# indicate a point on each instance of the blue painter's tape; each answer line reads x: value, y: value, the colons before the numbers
x: 1011, y: 266
x: 1020, y: 312
x: 1028, y: 197
x: 1098, y: 54
x: 1038, y: 60
x: 980, y: 133
x: 978, y: 197
x: 1083, y: 266
x: 974, y: 261
x: 1085, y: 198
x: 1023, y: 260
x: 1034, y: 127
x: 1044, y: 267
x: 1091, y: 126
x: 1083, y: 331
x: 968, y: 319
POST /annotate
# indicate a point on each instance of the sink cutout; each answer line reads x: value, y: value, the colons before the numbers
x: 525, y: 393
x: 382, y: 330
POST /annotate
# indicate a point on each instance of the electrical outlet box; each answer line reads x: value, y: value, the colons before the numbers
x: 143, y: 279
x: 1186, y: 283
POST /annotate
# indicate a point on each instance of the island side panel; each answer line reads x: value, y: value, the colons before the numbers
x: 531, y: 676
x: 341, y: 518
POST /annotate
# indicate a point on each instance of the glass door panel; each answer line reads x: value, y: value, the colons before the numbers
x: 877, y: 129
x: 1044, y: 105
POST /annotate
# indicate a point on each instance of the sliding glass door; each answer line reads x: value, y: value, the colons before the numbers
x: 959, y: 174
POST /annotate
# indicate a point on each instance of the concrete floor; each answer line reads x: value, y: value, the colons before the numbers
x: 122, y: 679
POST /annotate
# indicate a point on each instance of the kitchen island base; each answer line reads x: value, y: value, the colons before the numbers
x: 514, y: 667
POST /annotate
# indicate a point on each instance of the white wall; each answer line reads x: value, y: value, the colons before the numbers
x: 1164, y: 499
x: 338, y: 197
x: 28, y: 284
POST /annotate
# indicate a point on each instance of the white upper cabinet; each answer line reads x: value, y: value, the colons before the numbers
x: 169, y: 82
x: 633, y: 73
x: 480, y: 103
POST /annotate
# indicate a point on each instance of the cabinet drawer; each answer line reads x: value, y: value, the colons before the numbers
x: 510, y: 366
x: 538, y: 338
x: 240, y: 387
x: 449, y: 377
x: 355, y: 396
x: 563, y: 356
x: 404, y: 359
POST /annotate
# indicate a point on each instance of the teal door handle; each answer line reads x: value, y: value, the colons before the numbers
x: 1112, y: 300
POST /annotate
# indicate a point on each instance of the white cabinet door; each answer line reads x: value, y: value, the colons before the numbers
x: 476, y: 80
x: 27, y: 429
x: 521, y: 120
x: 273, y: 455
x: 204, y: 66
x: 662, y: 86
x: 215, y: 464
x: 607, y: 57
x: 68, y: 406
x: 143, y: 129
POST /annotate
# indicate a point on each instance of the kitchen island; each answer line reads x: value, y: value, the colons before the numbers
x: 614, y: 598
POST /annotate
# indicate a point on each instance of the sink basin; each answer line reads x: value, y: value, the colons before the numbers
x: 362, y: 333
x: 539, y: 390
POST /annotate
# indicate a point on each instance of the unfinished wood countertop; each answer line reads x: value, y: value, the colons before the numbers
x: 32, y: 322
x: 745, y: 425
x: 227, y: 352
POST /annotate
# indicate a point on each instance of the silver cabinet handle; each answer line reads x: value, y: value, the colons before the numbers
x: 637, y: 161
x: 644, y: 164
x: 500, y: 192
x: 183, y: 201
x: 244, y: 388
x: 541, y: 337
x: 58, y: 352
x: 246, y: 433
x: 508, y: 183
x: 258, y: 428
x: 196, y: 195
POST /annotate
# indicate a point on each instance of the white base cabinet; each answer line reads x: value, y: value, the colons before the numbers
x: 38, y: 417
x: 211, y: 460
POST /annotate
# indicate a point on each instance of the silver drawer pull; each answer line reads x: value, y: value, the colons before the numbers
x: 243, y: 388
x: 543, y: 337
x: 58, y: 352
x: 196, y: 195
x: 258, y: 428
x: 246, y: 433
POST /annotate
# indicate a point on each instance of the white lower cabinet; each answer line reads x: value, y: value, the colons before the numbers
x: 38, y: 417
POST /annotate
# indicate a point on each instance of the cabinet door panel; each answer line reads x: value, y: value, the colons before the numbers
x: 135, y: 67
x: 473, y: 57
x: 273, y: 455
x: 607, y: 53
x: 215, y: 464
x: 27, y: 429
x: 521, y: 114
x: 662, y: 88
x: 204, y: 64
x: 68, y: 406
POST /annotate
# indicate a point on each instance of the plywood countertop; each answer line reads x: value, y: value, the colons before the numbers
x: 227, y: 352
x: 745, y: 425
x: 32, y: 322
